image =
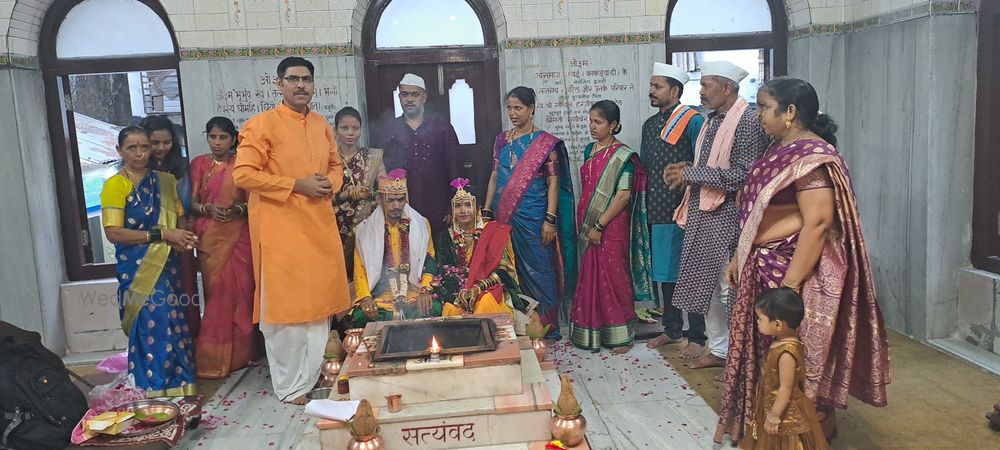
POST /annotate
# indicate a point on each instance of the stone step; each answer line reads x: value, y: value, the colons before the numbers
x: 515, y: 419
x: 453, y: 432
x: 494, y: 373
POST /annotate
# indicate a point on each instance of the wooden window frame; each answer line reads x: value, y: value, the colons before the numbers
x: 985, y: 201
x: 487, y: 54
x: 775, y: 61
x: 65, y: 152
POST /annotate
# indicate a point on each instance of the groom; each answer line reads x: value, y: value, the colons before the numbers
x: 394, y: 259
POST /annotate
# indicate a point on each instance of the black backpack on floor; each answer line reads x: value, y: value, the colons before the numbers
x: 39, y: 404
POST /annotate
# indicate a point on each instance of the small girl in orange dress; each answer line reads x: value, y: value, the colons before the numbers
x: 784, y: 418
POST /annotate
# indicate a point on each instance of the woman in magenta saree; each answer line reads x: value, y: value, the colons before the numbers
x: 799, y: 228
x: 613, y: 240
x: 531, y: 190
x: 228, y: 338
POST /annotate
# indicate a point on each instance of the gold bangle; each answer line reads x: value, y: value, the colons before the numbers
x: 789, y: 286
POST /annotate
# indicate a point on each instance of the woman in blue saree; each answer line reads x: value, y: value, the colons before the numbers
x: 531, y: 190
x: 139, y: 212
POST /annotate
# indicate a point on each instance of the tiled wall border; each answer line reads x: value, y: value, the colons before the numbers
x: 13, y: 60
x: 578, y: 41
x: 348, y: 49
x: 934, y: 8
x: 226, y: 53
x: 30, y: 62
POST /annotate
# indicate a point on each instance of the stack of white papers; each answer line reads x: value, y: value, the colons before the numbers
x: 332, y: 409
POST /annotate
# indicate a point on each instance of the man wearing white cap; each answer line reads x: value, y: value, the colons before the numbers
x: 668, y: 137
x: 427, y: 147
x: 728, y: 145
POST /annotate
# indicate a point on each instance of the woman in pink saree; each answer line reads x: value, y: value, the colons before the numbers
x: 799, y: 228
x: 613, y: 241
x: 228, y: 336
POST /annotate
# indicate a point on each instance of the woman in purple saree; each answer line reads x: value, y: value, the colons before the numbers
x: 799, y: 228
x: 531, y: 190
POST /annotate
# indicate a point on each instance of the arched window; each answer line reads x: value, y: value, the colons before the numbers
x: 452, y: 45
x: 453, y: 22
x: 106, y: 64
x: 749, y: 33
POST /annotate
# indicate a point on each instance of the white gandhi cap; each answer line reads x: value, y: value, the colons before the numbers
x: 670, y: 71
x: 413, y: 80
x: 724, y: 69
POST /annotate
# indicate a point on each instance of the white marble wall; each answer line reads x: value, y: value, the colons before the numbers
x: 240, y: 88
x: 907, y: 134
x: 31, y: 266
x: 550, y: 71
x: 821, y: 60
x: 951, y: 122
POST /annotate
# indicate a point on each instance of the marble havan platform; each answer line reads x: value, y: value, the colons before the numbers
x: 495, y: 398
x: 496, y: 372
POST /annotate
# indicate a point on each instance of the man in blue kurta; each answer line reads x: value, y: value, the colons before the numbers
x: 668, y: 137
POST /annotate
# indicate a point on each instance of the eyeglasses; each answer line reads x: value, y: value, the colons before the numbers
x: 296, y: 79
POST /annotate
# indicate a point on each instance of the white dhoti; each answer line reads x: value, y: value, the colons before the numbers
x: 717, y: 320
x: 294, y: 353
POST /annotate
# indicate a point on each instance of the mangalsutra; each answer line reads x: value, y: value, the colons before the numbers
x: 348, y: 172
x: 133, y: 177
x: 799, y: 136
x: 597, y: 151
x: 147, y: 206
x: 513, y: 131
x: 510, y: 142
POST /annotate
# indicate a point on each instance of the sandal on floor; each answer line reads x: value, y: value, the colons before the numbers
x: 643, y: 315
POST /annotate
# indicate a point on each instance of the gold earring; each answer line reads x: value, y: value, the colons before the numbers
x: 788, y: 123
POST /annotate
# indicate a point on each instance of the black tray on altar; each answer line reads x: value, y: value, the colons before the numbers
x: 407, y: 340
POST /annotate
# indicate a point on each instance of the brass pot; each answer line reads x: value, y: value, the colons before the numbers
x: 570, y: 430
x: 353, y: 339
x: 371, y: 442
x: 330, y: 370
x: 541, y: 349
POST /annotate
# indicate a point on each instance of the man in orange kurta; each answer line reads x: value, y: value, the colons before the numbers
x: 288, y: 161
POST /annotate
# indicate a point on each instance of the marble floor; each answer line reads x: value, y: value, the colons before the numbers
x: 636, y: 400
x: 244, y: 414
x: 631, y: 401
